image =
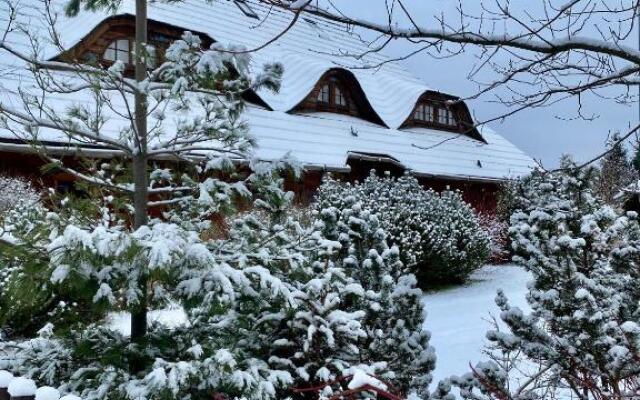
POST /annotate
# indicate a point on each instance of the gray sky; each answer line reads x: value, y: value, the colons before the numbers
x: 544, y: 133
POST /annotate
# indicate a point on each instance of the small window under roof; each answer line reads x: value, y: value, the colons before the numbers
x: 245, y: 8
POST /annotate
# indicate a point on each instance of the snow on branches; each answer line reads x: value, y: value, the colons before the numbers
x: 15, y: 191
x: 582, y: 336
x: 438, y: 233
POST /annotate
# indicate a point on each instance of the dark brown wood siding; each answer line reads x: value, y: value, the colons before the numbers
x: 481, y: 195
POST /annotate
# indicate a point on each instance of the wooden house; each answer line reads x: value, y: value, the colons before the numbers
x: 334, y: 113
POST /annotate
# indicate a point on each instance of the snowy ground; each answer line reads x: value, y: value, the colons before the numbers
x: 458, y: 318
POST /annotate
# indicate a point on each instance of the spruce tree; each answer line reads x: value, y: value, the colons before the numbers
x: 377, y: 296
x: 616, y: 171
x: 582, y: 334
x: 139, y: 239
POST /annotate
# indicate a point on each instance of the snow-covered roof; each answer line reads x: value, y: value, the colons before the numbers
x: 312, y: 47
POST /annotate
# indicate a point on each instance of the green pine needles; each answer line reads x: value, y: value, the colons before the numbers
x: 439, y: 236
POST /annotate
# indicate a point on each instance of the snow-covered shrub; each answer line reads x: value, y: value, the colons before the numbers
x: 16, y: 191
x: 439, y: 236
x: 581, y: 339
x: 357, y: 310
x: 28, y: 298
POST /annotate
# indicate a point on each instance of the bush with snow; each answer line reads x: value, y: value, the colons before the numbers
x: 438, y: 234
x: 581, y: 339
x: 358, y: 310
x: 16, y: 192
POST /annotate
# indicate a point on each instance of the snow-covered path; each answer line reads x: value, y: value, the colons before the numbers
x: 458, y: 318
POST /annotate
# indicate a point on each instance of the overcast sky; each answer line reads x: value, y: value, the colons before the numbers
x: 544, y: 133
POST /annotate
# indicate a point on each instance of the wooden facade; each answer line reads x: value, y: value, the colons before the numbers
x: 357, y: 104
x: 440, y: 102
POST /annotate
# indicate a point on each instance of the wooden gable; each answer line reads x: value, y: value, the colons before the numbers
x: 355, y: 104
x: 439, y: 103
x: 91, y: 48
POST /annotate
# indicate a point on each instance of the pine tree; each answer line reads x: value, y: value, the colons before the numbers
x: 438, y: 233
x: 616, y: 171
x: 581, y: 337
x: 111, y: 252
x: 376, y: 301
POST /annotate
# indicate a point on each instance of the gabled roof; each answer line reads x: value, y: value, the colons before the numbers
x: 312, y: 47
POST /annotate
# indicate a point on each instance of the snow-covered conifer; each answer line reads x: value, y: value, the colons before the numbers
x: 616, y: 171
x: 16, y: 191
x: 438, y: 233
x: 377, y: 298
x: 582, y: 335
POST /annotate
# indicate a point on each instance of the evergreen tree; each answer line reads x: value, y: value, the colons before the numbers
x: 439, y: 235
x: 616, y: 171
x: 582, y: 335
x: 111, y: 252
x: 362, y: 297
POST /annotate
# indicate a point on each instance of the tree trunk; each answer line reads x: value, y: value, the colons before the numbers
x: 140, y: 178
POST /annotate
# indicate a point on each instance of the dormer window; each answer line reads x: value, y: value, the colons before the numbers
x: 424, y: 112
x: 434, y: 114
x: 114, y: 41
x: 445, y: 117
x: 339, y: 92
x: 118, y: 50
x: 324, y: 95
x: 440, y: 111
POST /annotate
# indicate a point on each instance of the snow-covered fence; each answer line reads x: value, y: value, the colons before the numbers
x: 16, y: 388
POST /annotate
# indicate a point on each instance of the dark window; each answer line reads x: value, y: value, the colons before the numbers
x: 332, y: 96
x: 324, y: 95
x: 119, y: 50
